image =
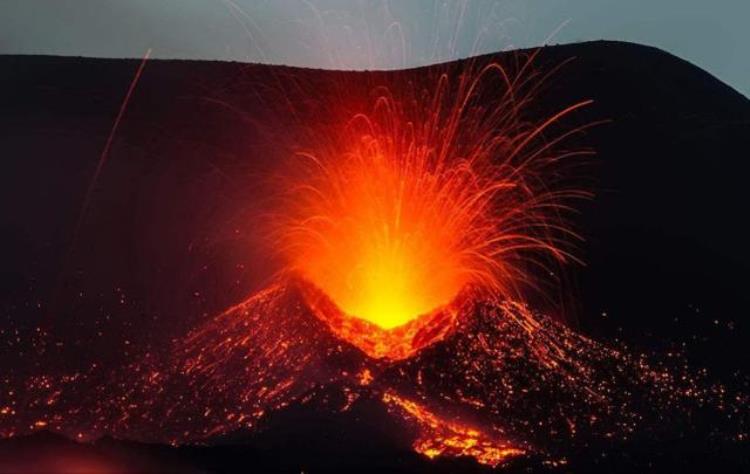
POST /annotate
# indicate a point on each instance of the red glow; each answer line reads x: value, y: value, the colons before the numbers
x: 428, y: 192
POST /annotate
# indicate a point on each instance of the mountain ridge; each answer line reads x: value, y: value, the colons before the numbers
x: 595, y: 43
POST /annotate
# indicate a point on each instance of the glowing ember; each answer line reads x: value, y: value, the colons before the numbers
x: 444, y: 438
x: 426, y: 194
x: 537, y: 389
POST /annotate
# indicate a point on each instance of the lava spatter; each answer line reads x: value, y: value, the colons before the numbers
x: 423, y: 192
x: 439, y: 437
x: 491, y: 389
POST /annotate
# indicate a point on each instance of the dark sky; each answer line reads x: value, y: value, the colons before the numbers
x: 368, y: 34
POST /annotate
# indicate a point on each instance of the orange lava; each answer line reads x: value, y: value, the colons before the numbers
x: 397, y: 343
x: 435, y: 189
x: 439, y: 437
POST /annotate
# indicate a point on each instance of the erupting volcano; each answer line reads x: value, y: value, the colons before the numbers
x: 423, y: 224
x: 428, y: 194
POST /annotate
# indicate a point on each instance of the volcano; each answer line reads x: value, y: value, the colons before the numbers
x: 157, y: 315
x: 490, y: 390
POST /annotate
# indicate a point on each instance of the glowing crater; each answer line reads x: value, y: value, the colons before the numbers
x: 382, y: 239
x: 395, y: 343
x: 384, y: 243
x: 394, y: 211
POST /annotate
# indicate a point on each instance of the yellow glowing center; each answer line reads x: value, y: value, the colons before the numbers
x: 391, y: 285
x: 381, y: 242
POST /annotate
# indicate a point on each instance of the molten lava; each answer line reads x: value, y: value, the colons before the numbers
x: 384, y: 235
x: 427, y: 193
x: 386, y: 242
x: 441, y: 438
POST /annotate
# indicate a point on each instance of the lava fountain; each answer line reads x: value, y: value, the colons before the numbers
x: 428, y: 194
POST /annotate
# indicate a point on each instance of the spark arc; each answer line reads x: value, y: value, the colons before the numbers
x: 425, y: 194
